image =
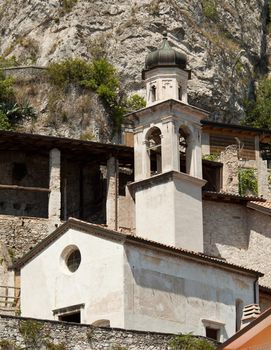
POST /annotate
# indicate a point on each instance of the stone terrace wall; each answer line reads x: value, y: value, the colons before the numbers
x: 84, y: 337
x: 25, y: 72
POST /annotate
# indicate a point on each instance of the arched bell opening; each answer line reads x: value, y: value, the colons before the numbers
x: 183, y: 146
x: 153, y: 142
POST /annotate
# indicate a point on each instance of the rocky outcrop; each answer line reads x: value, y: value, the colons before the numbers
x: 225, y: 41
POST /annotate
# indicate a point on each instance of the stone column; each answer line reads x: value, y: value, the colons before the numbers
x: 193, y: 154
x: 54, y: 207
x: 170, y: 146
x: 112, y: 193
x: 141, y: 156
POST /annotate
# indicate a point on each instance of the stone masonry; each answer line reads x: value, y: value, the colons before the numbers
x: 19, y: 234
x: 245, y: 240
x: 229, y: 158
x: 83, y: 337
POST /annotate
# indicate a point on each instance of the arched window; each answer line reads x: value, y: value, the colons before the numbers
x: 153, y: 140
x: 180, y: 93
x: 153, y: 93
x: 183, y: 135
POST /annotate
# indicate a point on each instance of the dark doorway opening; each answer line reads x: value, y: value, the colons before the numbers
x: 74, y: 317
x: 212, y: 333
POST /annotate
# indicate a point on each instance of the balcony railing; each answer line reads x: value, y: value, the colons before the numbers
x: 9, y: 299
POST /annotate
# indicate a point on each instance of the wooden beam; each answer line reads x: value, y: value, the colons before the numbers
x: 24, y: 188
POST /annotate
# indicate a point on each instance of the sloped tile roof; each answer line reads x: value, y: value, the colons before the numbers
x: 102, y: 231
x: 264, y: 207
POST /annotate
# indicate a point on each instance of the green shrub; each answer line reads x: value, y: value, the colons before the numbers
x: 212, y: 157
x: 31, y: 48
x: 6, y: 344
x: 53, y: 346
x: 258, y: 112
x: 66, y: 72
x: 134, y: 103
x: 118, y: 347
x: 209, y: 8
x: 8, y: 62
x: 6, y: 88
x: 87, y: 136
x: 190, y: 342
x: 11, y: 112
x: 31, y: 331
x: 99, y: 76
x: 248, y: 184
x: 67, y: 5
x: 4, y: 121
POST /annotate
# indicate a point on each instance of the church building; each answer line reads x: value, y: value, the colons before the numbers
x: 158, y: 277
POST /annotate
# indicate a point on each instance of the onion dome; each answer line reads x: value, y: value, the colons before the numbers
x: 165, y: 56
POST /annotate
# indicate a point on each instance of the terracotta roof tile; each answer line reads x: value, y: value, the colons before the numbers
x: 228, y: 197
x: 263, y: 207
x: 88, y: 227
x: 262, y: 204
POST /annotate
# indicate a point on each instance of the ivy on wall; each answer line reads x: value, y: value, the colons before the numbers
x: 248, y: 183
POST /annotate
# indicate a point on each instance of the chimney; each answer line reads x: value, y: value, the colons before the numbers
x: 250, y: 313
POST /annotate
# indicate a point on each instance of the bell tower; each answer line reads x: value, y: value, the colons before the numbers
x: 167, y: 147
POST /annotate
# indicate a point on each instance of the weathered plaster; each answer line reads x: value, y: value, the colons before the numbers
x: 238, y: 234
x: 98, y: 282
x: 168, y: 293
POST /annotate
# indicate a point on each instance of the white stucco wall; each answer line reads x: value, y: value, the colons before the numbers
x: 170, y: 294
x: 155, y: 212
x: 169, y: 211
x: 98, y: 283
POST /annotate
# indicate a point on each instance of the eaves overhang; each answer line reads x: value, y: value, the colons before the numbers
x: 101, y: 231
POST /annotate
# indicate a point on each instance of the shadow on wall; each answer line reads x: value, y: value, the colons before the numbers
x: 145, y: 275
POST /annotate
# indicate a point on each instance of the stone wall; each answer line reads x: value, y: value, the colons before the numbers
x: 26, y: 73
x: 19, y: 234
x: 83, y: 337
x: 229, y: 158
x: 24, y: 169
x: 240, y: 235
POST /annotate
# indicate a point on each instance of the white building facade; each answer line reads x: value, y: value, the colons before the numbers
x: 131, y: 283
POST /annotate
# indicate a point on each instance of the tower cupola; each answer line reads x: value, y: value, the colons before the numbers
x: 165, y: 56
x: 165, y: 74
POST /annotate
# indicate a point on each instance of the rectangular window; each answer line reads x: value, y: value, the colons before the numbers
x: 212, y: 333
x: 70, y: 313
x: 73, y: 317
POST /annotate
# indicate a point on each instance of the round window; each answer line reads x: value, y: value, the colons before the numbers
x: 73, y: 260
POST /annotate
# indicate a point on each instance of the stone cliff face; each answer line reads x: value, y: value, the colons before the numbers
x: 225, y: 41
